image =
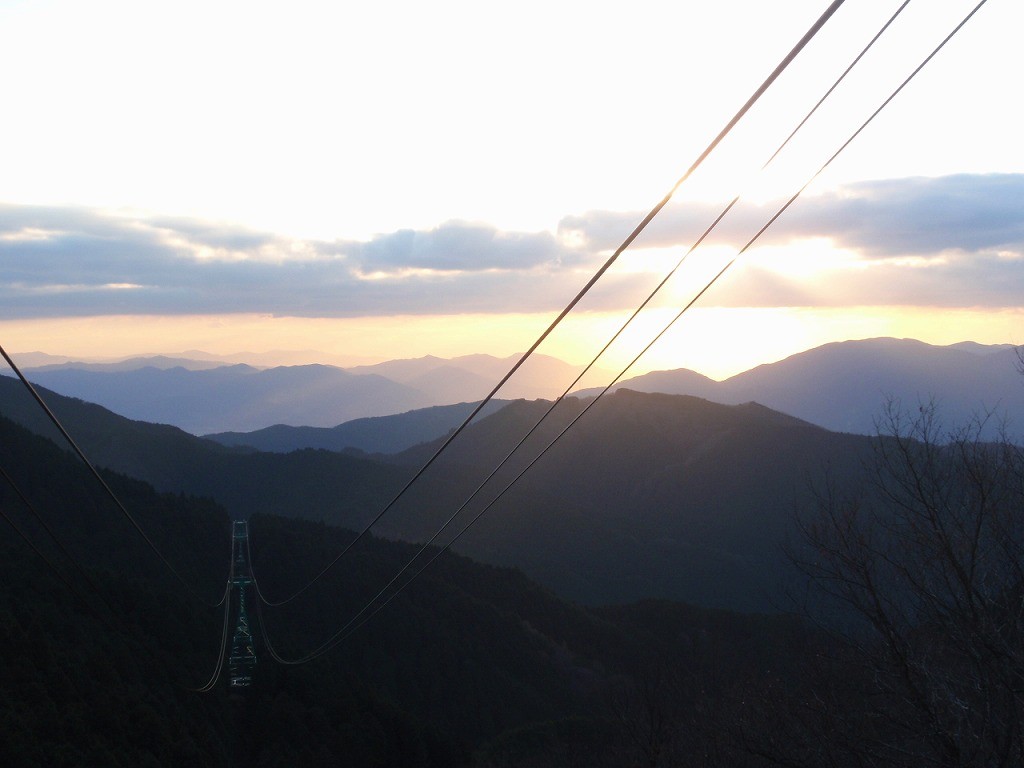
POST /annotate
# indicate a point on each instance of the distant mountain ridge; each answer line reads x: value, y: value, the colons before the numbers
x: 378, y: 434
x: 202, y: 397
x: 842, y: 386
x: 220, y: 399
x: 160, y: 362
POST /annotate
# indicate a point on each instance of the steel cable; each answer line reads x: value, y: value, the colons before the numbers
x: 779, y: 69
x: 99, y: 478
x: 614, y: 337
x: 212, y: 682
x: 624, y: 326
x: 353, y: 626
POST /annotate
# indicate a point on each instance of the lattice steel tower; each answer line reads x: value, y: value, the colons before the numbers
x: 243, y: 655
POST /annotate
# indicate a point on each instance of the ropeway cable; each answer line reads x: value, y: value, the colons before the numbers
x: 625, y: 325
x: 226, y: 600
x: 81, y: 455
x: 612, y: 340
x: 836, y: 84
x: 779, y: 69
x: 259, y: 612
x: 212, y: 682
x: 355, y: 624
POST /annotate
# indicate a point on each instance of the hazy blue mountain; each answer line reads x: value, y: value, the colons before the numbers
x: 981, y: 349
x: 235, y: 397
x: 450, y: 383
x: 379, y: 434
x: 473, y: 376
x: 38, y: 359
x: 202, y: 397
x: 840, y: 386
x: 843, y: 386
x: 160, y: 362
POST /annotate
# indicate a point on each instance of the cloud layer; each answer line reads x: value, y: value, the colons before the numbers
x: 951, y: 241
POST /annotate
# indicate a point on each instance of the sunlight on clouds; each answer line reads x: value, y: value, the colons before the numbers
x: 907, y: 262
x: 698, y: 266
x: 206, y: 252
x: 572, y: 238
x: 271, y: 249
x: 643, y: 260
x: 807, y: 258
x: 56, y: 289
x: 406, y: 273
x: 30, y: 235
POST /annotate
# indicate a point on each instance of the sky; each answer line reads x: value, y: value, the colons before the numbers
x: 347, y: 183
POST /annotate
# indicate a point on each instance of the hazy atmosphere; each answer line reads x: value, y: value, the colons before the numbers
x: 398, y: 180
x: 262, y: 266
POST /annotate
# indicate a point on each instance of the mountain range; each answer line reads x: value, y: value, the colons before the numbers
x: 377, y: 434
x: 202, y: 397
x: 842, y: 386
x: 648, y: 495
x: 839, y: 386
x: 652, y: 495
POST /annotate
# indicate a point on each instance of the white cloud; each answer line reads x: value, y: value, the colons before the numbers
x: 952, y: 241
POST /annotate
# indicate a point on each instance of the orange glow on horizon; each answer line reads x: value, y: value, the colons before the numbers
x: 717, y: 342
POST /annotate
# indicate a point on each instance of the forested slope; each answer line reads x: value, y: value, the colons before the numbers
x: 468, y: 663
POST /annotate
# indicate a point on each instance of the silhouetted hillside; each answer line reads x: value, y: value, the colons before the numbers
x: 311, y: 484
x: 469, y: 659
x: 648, y: 496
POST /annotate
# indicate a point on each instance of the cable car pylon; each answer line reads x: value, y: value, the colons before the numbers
x: 243, y: 654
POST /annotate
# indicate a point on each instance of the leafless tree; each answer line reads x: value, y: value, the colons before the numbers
x: 646, y: 708
x: 923, y: 570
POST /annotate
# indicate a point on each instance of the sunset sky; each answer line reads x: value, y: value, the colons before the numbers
x: 357, y: 182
